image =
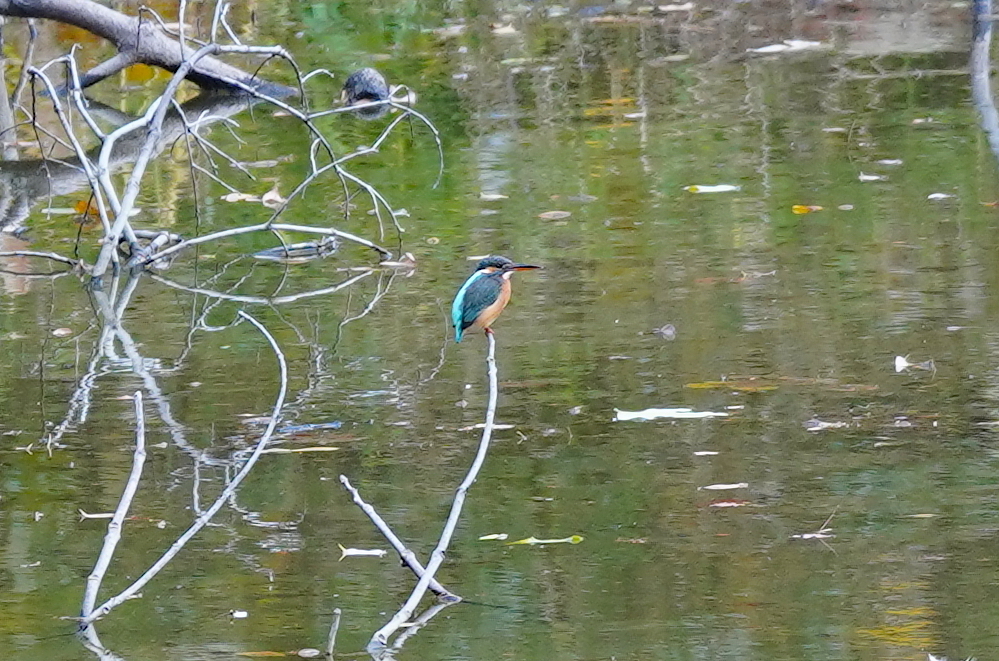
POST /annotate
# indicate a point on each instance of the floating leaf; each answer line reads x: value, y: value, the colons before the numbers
x: 675, y: 413
x: 554, y: 215
x: 86, y: 207
x: 717, y: 188
x: 728, y: 503
x: 575, y: 539
x: 724, y: 487
x: 939, y: 196
x: 738, y: 385
x: 902, y: 364
x: 818, y: 425
x: 239, y: 197
x: 788, y: 46
x: 344, y: 552
x: 499, y: 535
x: 272, y: 199
x: 687, y: 6
x: 871, y: 177
x: 667, y: 332
x: 269, y: 163
x: 802, y: 209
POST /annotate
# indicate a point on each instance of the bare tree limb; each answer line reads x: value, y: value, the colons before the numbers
x: 137, y: 40
x: 266, y: 227
x: 405, y: 554
x: 379, y: 641
x: 113, y: 535
x: 223, y: 497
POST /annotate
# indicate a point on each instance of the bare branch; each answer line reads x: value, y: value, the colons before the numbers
x: 113, y: 535
x: 405, y: 554
x: 266, y: 227
x: 55, y: 257
x: 379, y: 640
x: 223, y: 497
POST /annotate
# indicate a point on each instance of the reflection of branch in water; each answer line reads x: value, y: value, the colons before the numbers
x: 981, y: 71
x: 412, y: 627
x: 263, y: 300
x: 443, y: 351
x: 223, y: 497
x: 139, y: 365
x: 379, y: 293
x: 79, y: 401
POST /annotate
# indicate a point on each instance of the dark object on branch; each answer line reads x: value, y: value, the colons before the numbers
x: 138, y: 40
x: 299, y: 253
x: 484, y: 295
x: 366, y: 86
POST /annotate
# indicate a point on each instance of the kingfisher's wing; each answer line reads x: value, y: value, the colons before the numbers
x: 479, y: 292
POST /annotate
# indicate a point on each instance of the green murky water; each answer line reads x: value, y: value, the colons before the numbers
x: 787, y: 323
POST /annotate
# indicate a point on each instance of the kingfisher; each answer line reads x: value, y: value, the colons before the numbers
x: 484, y: 295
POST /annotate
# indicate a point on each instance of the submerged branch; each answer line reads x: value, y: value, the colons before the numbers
x: 405, y: 554
x: 222, y: 498
x: 113, y: 535
x: 379, y: 641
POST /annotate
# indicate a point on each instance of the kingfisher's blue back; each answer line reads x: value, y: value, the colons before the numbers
x: 481, y: 290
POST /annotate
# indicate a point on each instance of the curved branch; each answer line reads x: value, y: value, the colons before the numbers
x: 223, y: 497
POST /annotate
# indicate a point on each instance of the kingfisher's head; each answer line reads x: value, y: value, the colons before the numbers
x: 497, y: 263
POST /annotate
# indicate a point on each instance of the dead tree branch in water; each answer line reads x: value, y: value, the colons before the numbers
x: 223, y: 497
x: 378, y: 645
x: 139, y: 40
x: 380, y: 639
x: 138, y: 140
x: 407, y: 556
x: 113, y: 535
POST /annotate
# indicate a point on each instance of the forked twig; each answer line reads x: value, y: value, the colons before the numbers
x: 379, y: 641
x: 222, y: 498
x: 405, y: 554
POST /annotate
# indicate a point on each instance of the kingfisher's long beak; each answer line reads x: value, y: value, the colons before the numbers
x: 524, y: 267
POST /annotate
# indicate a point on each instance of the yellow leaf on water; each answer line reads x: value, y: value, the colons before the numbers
x: 805, y: 208
x: 87, y: 207
x: 574, y: 539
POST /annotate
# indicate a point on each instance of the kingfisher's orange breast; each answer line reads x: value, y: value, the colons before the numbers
x: 493, y: 310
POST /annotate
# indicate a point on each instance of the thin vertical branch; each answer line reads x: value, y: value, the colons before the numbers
x: 980, y: 66
x: 380, y: 639
x: 334, y: 628
x: 113, y: 535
